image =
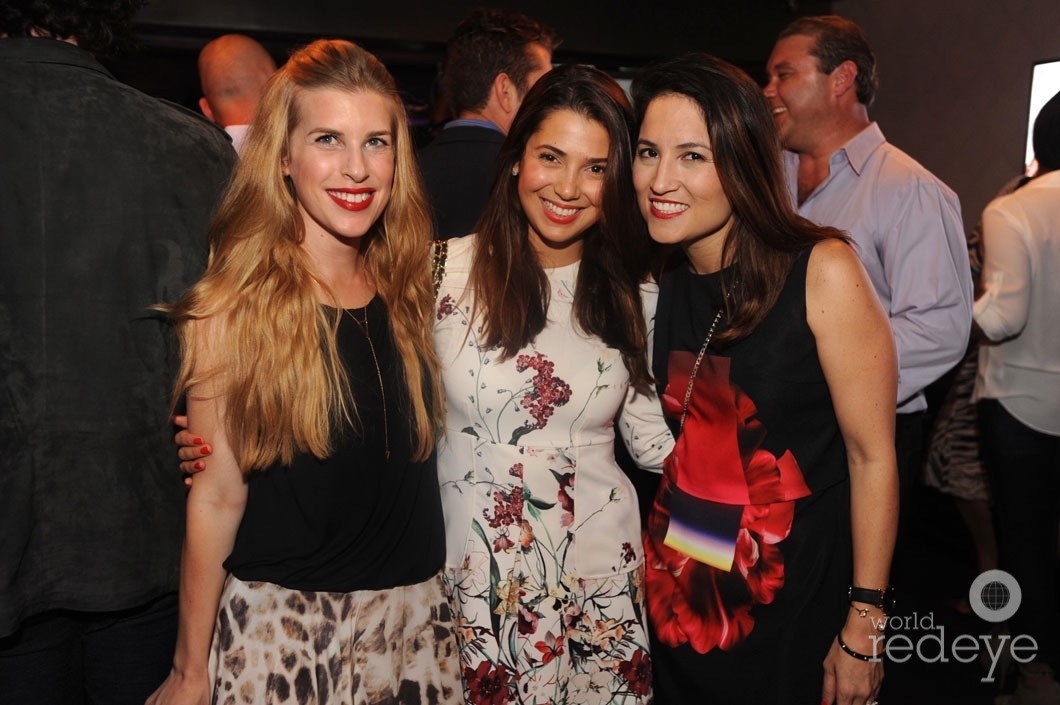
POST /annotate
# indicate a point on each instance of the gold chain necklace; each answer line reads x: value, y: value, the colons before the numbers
x: 378, y: 373
x: 699, y: 361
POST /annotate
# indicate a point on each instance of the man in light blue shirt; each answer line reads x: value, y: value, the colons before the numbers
x: 905, y: 222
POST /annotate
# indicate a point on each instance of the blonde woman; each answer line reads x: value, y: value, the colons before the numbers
x: 315, y: 539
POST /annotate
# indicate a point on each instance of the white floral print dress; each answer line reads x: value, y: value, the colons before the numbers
x: 544, y: 560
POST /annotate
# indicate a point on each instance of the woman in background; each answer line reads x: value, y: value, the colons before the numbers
x: 313, y: 551
x: 778, y: 372
x: 1018, y: 392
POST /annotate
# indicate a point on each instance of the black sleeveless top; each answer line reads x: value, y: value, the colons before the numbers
x: 750, y: 528
x: 354, y: 521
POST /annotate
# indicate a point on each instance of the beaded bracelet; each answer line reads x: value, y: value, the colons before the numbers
x: 850, y: 652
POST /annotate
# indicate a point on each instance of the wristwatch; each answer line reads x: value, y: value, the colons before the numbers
x: 883, y: 599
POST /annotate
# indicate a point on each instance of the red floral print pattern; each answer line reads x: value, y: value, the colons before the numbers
x: 565, y: 495
x: 508, y: 508
x: 550, y: 647
x: 691, y: 602
x: 637, y: 672
x: 546, y: 393
x: 487, y: 685
x: 446, y: 306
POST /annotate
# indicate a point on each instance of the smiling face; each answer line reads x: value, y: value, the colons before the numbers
x: 678, y: 188
x: 798, y: 93
x: 341, y: 161
x: 561, y: 184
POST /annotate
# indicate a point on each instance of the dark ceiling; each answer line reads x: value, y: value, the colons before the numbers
x: 409, y: 36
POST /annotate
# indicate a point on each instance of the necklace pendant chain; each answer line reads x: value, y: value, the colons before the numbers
x: 699, y: 361
x: 363, y: 325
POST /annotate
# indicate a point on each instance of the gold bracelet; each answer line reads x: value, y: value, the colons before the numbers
x: 863, y: 612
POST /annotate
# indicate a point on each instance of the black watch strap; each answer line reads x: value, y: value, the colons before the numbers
x: 883, y: 599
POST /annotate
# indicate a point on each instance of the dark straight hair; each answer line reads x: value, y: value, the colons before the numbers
x: 615, y: 250
x: 767, y: 234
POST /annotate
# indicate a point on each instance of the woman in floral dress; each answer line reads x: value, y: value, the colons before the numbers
x: 542, y: 342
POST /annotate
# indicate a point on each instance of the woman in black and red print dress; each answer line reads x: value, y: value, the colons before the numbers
x: 777, y: 368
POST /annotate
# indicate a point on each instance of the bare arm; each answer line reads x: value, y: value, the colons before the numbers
x: 214, y: 511
x: 857, y: 354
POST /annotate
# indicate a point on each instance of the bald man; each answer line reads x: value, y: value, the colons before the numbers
x: 233, y: 70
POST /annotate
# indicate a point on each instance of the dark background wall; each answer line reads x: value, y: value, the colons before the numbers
x: 955, y: 83
x: 954, y: 74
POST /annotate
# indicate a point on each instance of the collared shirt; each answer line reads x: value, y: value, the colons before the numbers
x: 471, y: 122
x: 1019, y: 305
x: 908, y: 231
x: 238, y: 133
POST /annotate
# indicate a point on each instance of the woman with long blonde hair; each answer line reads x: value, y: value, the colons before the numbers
x: 314, y: 540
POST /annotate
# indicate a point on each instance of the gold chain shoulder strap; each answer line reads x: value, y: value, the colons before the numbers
x: 441, y: 249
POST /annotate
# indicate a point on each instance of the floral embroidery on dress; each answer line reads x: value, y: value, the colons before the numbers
x: 545, y: 393
x: 531, y: 629
x: 540, y: 603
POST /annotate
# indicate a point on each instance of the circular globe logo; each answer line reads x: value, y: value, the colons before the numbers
x: 995, y: 595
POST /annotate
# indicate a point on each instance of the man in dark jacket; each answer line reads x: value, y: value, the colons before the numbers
x: 105, y: 202
x: 491, y: 61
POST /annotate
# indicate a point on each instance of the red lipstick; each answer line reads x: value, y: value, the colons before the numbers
x: 353, y: 204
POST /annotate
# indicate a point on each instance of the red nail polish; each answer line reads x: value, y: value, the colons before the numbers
x: 197, y: 441
x: 199, y: 465
x: 205, y: 450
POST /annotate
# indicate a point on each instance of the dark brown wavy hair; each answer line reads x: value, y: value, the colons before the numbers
x: 607, y: 295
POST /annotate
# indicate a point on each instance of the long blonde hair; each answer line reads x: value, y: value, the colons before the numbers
x: 284, y: 385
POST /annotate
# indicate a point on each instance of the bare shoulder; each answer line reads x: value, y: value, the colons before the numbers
x: 837, y: 286
x: 833, y: 258
x: 834, y: 267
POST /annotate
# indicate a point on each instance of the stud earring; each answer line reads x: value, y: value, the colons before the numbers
x: 515, y: 170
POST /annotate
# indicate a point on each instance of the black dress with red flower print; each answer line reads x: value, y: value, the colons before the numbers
x: 748, y: 543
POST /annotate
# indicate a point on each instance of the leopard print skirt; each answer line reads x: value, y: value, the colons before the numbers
x: 272, y: 645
